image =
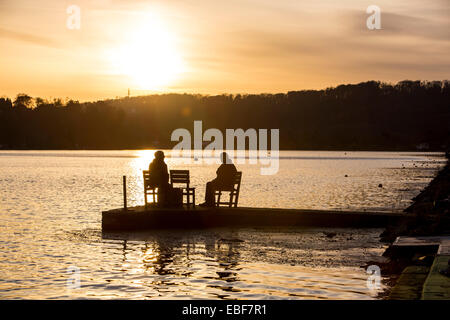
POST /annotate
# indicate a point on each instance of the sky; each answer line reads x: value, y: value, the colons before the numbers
x: 214, y: 47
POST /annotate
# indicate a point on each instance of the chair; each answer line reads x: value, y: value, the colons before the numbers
x: 147, y: 190
x: 182, y: 176
x: 234, y: 192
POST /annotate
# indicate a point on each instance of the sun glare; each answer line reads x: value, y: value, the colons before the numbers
x: 149, y: 58
x: 143, y: 159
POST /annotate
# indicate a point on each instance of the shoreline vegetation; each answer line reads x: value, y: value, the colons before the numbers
x: 370, y: 116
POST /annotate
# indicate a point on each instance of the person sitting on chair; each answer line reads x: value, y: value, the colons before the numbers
x: 223, y: 181
x: 159, y: 177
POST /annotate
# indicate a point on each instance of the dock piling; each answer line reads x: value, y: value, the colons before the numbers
x: 125, y: 192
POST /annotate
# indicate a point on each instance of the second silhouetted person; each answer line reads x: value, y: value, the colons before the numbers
x: 224, y: 180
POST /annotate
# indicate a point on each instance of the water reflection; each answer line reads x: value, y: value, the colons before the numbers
x: 53, y: 221
x: 143, y: 159
x: 176, y: 254
x: 221, y: 264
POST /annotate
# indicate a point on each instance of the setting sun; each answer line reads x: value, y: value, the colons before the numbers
x: 150, y: 58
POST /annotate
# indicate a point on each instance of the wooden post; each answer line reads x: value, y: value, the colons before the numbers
x: 125, y: 192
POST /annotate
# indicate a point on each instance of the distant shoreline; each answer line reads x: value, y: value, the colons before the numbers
x: 443, y: 150
x: 369, y: 116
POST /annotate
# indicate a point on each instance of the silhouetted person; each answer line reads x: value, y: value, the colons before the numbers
x: 224, y: 180
x: 159, y: 174
x: 159, y: 178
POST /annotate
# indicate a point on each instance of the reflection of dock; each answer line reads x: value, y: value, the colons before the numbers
x: 182, y: 218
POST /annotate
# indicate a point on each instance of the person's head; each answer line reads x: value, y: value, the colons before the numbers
x: 225, y: 158
x: 159, y: 156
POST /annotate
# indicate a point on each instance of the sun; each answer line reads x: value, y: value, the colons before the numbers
x: 149, y: 57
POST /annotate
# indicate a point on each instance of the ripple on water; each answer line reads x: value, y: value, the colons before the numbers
x: 51, y: 204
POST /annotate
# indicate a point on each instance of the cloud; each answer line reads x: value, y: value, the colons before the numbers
x: 397, y: 24
x: 29, y: 38
x: 406, y: 45
x: 416, y: 26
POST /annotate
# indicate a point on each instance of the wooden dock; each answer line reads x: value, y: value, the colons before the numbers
x: 421, y: 282
x: 138, y: 218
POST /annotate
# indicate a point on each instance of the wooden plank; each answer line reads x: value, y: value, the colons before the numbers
x: 442, y: 243
x: 409, y: 284
x: 437, y: 286
x: 158, y: 218
x: 444, y: 248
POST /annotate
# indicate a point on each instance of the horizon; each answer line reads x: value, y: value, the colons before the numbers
x: 261, y: 48
x: 67, y: 99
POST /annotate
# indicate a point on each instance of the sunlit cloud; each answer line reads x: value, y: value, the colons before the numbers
x: 210, y: 47
x: 28, y: 38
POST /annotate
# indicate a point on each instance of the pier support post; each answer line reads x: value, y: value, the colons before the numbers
x: 125, y: 192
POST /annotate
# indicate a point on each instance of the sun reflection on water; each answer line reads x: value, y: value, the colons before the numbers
x: 219, y: 264
x: 53, y: 221
x: 143, y: 159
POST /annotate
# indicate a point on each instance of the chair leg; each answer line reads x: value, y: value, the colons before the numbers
x: 218, y: 199
x: 188, y: 198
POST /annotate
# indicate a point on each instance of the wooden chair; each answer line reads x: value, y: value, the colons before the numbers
x: 234, y: 192
x: 149, y: 191
x: 182, y: 176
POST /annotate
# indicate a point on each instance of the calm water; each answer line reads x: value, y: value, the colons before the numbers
x: 50, y: 213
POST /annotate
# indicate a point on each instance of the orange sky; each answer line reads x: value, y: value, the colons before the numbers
x: 209, y: 46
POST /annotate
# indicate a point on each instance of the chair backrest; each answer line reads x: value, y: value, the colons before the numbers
x: 179, y: 176
x: 146, y: 175
x: 237, y: 187
x: 234, y: 192
x: 237, y: 181
x: 237, y: 178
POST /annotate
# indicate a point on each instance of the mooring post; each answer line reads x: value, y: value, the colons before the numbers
x: 125, y: 192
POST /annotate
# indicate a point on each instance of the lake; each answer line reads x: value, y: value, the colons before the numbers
x: 50, y: 211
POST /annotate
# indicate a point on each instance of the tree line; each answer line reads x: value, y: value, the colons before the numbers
x: 371, y: 115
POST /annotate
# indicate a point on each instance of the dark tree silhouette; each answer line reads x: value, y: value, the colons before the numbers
x: 365, y: 116
x: 23, y: 101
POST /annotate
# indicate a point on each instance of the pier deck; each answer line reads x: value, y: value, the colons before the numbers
x: 424, y: 282
x: 136, y: 218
